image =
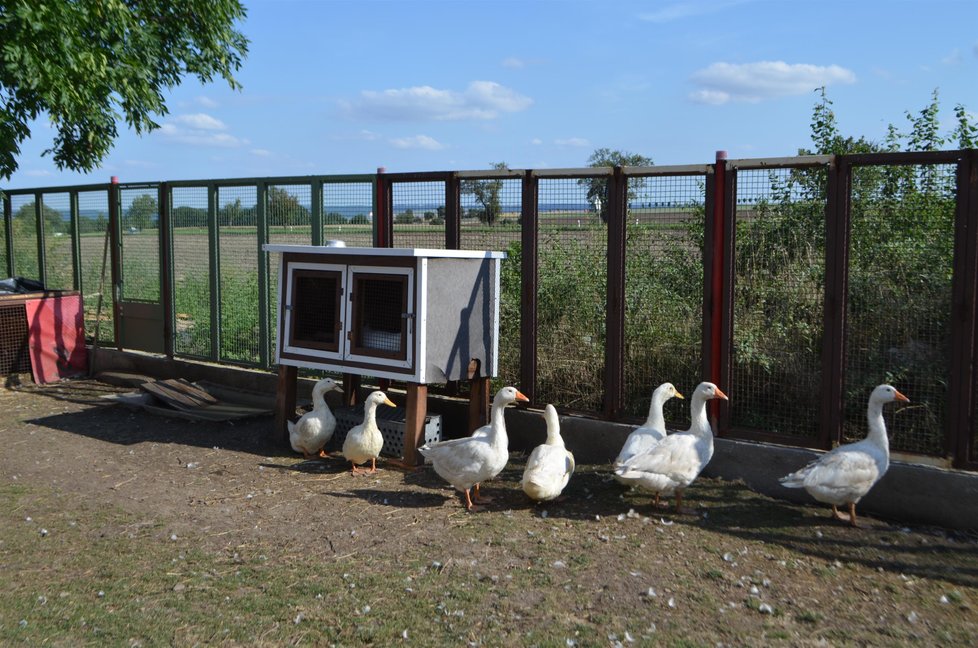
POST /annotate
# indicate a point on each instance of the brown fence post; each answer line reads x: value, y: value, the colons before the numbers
x: 453, y: 211
x: 718, y: 224
x: 383, y: 232
x: 837, y: 215
x: 960, y: 435
x: 528, y: 287
x: 614, y: 351
x: 116, y: 261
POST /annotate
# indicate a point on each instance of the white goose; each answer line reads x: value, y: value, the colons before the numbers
x: 310, y: 434
x: 467, y: 462
x: 649, y: 433
x: 364, y: 442
x: 845, y: 474
x: 676, y: 461
x: 550, y: 465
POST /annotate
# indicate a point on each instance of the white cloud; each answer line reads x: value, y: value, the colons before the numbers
x: 480, y: 100
x: 682, y: 10
x: 417, y: 142
x: 199, y: 121
x: 207, y: 102
x: 536, y: 141
x: 38, y: 173
x: 953, y: 58
x: 200, y: 129
x: 260, y: 152
x: 514, y: 63
x: 572, y: 141
x: 752, y: 82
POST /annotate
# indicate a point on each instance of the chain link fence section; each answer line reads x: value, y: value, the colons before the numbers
x: 190, y: 219
x: 899, y: 300
x: 418, y: 215
x: 664, y: 233
x: 140, y: 243
x: 96, y: 265
x: 348, y: 213
x: 491, y: 219
x: 778, y: 308
x: 23, y: 225
x: 238, y: 241
x: 571, y: 296
x: 59, y: 258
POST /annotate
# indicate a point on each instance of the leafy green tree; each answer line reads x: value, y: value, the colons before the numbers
x: 597, y: 188
x: 24, y: 220
x: 285, y: 209
x: 86, y: 63
x: 486, y: 192
x: 142, y: 213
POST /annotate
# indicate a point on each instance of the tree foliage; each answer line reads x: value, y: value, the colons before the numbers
x: 88, y: 63
x: 486, y: 192
x: 597, y: 188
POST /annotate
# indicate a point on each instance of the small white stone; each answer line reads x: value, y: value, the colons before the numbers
x: 173, y: 536
x: 559, y: 564
x: 764, y: 608
x: 404, y: 635
x: 671, y: 603
x: 298, y: 618
x: 912, y: 617
x: 44, y: 533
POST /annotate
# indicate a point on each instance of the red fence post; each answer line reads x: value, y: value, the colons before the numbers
x: 382, y: 231
x: 718, y: 265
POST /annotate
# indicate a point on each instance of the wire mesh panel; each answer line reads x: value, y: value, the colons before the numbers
x: 15, y: 356
x: 96, y: 266
x: 23, y: 222
x: 899, y: 301
x: 419, y: 214
x: 497, y: 225
x: 348, y: 213
x: 663, y: 289
x: 3, y: 238
x: 778, y: 301
x: 571, y: 296
x: 289, y: 214
x: 140, y: 244
x: 59, y: 269
x: 191, y: 272
x: 239, y: 259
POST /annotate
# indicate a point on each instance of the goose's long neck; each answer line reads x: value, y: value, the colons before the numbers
x: 370, y: 416
x: 699, y: 424
x: 318, y: 397
x: 553, y: 431
x: 877, y: 427
x: 497, y: 425
x: 656, y: 419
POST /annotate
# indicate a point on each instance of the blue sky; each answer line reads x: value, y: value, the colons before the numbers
x: 333, y: 87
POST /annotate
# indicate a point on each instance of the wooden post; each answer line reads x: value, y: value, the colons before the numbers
x: 351, y: 389
x: 284, y: 405
x: 478, y: 397
x: 416, y: 405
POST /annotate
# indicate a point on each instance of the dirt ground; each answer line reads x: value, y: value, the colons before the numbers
x: 741, y: 568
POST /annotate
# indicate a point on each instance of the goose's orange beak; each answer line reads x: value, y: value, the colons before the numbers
x: 521, y: 397
x: 719, y: 394
x: 900, y: 397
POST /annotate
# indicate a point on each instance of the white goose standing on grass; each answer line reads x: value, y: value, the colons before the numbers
x: 643, y: 438
x: 550, y: 465
x: 672, y: 464
x: 364, y: 442
x: 310, y: 434
x: 845, y: 474
x: 467, y: 462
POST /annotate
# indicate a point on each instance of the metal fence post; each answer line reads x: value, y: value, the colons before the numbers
x: 264, y: 312
x: 116, y: 259
x: 453, y: 211
x: 528, y: 286
x: 166, y: 267
x: 214, y: 274
x: 837, y: 216
x: 614, y: 372
x: 42, y: 274
x: 8, y: 234
x: 961, y: 432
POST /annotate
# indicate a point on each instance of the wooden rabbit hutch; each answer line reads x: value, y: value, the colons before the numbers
x: 414, y: 315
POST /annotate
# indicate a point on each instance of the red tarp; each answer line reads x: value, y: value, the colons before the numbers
x: 57, y: 337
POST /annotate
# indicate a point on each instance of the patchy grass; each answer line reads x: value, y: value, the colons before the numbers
x: 160, y: 532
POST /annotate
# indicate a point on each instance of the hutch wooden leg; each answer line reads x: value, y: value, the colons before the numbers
x: 351, y: 389
x: 284, y: 405
x: 416, y: 404
x: 478, y: 397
